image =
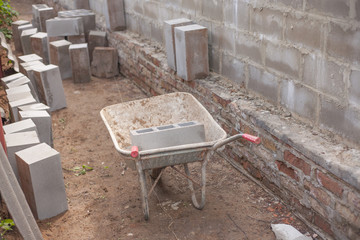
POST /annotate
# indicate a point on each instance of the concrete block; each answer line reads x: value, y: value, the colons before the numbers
x: 17, y: 96
x: 80, y: 63
x: 26, y: 66
x: 248, y: 47
x: 191, y: 44
x: 81, y: 4
x: 15, y: 31
x: 237, y: 14
x: 35, y: 13
x: 234, y: 69
x: 213, y: 10
x: 29, y: 58
x: 20, y: 126
x: 39, y: 45
x: 87, y: 16
x: 35, y: 107
x: 105, y: 62
x: 18, y: 82
x: 343, y: 42
x: 338, y: 8
x: 114, y: 13
x: 163, y: 136
x: 44, y: 15
x: 50, y: 87
x: 18, y: 141
x: 8, y: 79
x: 64, y: 27
x: 169, y: 35
x: 42, y: 120
x: 20, y: 30
x: 354, y: 92
x: 299, y: 99
x: 268, y: 22
x: 25, y: 40
x: 264, y: 83
x: 14, y: 111
x: 59, y: 55
x: 96, y: 39
x: 19, y: 89
x: 283, y: 59
x: 42, y: 181
x: 77, y: 39
x: 151, y: 9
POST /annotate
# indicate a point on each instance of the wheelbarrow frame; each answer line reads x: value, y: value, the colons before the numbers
x: 172, y: 156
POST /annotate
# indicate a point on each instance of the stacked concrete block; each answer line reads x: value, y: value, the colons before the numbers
x: 20, y: 126
x: 18, y: 141
x: 35, y: 107
x: 59, y: 55
x: 50, y: 87
x: 87, y: 16
x: 35, y: 13
x: 42, y: 181
x: 96, y: 39
x: 77, y: 39
x: 115, y: 15
x: 30, y: 58
x: 42, y: 120
x: 39, y: 45
x: 14, y: 111
x: 18, y: 82
x: 20, y: 30
x: 15, y: 31
x: 25, y: 66
x: 64, y: 27
x: 163, y: 136
x: 80, y: 63
x: 105, y: 62
x: 81, y: 4
x: 191, y: 47
x: 19, y: 89
x: 18, y: 96
x: 169, y: 33
x: 44, y: 15
x: 8, y: 79
x: 25, y: 40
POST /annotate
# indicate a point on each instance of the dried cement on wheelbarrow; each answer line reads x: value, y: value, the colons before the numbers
x: 156, y: 111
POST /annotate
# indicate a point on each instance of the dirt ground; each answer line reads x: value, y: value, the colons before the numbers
x: 105, y: 203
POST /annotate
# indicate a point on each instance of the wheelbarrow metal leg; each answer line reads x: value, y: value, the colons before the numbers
x: 144, y: 194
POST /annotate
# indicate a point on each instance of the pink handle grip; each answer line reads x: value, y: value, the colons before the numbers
x: 134, y: 151
x: 251, y: 138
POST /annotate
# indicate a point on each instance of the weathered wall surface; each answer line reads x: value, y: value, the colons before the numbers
x: 300, y: 54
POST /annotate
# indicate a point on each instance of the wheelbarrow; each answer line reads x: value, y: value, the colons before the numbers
x: 165, y: 110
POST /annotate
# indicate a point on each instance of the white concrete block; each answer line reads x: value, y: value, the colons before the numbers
x: 59, y: 55
x: 42, y: 120
x: 168, y: 136
x: 14, y: 111
x: 18, y: 141
x: 35, y: 12
x: 50, y: 87
x: 44, y: 15
x: 25, y: 40
x: 42, y: 180
x: 35, y: 107
x: 20, y: 126
x: 64, y: 27
x: 39, y: 45
x: 87, y: 16
x: 15, y: 31
x: 8, y: 79
x: 19, y: 89
x: 29, y: 58
x: 17, y: 96
x: 18, y: 82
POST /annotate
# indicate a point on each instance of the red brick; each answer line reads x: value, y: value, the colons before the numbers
x: 222, y: 101
x: 252, y: 170
x: 288, y: 171
x: 323, y: 224
x: 304, y: 211
x: 297, y: 162
x: 268, y: 144
x: 330, y: 184
x: 318, y: 193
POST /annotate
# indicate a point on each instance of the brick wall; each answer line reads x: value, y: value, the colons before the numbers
x: 314, y: 175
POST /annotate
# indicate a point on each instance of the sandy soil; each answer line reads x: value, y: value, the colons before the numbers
x: 105, y: 203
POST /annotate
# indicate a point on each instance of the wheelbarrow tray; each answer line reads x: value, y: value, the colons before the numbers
x: 161, y: 110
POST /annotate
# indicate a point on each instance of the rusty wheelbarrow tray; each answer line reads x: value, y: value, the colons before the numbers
x: 165, y: 110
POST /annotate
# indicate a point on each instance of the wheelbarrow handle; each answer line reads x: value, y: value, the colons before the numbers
x: 245, y: 136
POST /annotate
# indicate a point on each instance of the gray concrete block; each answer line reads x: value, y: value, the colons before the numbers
x: 64, y: 27
x: 8, y: 79
x: 234, y: 69
x: 77, y: 39
x: 50, y: 87
x: 80, y: 63
x: 29, y: 58
x: 105, y: 62
x: 96, y: 39
x: 35, y: 13
x: 169, y: 35
x: 20, y: 30
x: 15, y: 31
x: 16, y: 142
x: 35, y: 107
x: 114, y: 13
x: 25, y: 40
x: 28, y: 69
x: 268, y: 22
x: 191, y: 44
x: 20, y: 126
x: 39, y: 45
x: 163, y: 136
x: 81, y: 4
x: 17, y: 96
x: 332, y: 8
x: 42, y: 120
x: 19, y: 89
x: 87, y: 16
x: 44, y: 15
x: 18, y: 82
x: 26, y: 66
x: 14, y: 111
x: 59, y: 55
x: 42, y: 181
x: 354, y: 94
